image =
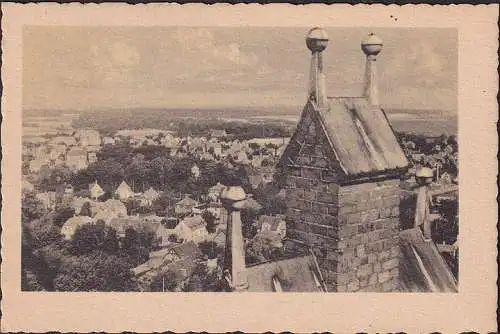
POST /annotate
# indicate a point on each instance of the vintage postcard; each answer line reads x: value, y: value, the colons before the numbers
x: 336, y: 163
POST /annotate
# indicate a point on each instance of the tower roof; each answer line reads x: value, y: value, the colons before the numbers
x: 360, y: 136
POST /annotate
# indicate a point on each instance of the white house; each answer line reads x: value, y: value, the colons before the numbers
x: 95, y: 191
x: 124, y: 191
x: 70, y: 226
x: 192, y: 229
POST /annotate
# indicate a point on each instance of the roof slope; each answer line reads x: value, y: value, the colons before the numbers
x: 422, y: 267
x: 194, y: 223
x: 295, y: 275
x: 124, y: 188
x: 187, y: 250
x: 187, y: 201
x: 361, y: 136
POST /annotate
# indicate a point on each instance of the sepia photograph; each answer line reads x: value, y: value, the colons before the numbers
x: 227, y: 159
x: 160, y: 160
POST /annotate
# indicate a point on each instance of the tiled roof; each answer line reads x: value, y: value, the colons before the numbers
x: 187, y: 201
x: 194, y: 222
x: 273, y: 221
x: 124, y: 187
x: 187, y: 250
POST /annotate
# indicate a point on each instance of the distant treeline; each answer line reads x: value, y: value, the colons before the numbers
x: 109, y: 123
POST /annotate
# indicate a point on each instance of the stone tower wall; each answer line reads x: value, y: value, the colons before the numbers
x: 354, y: 228
x: 368, y: 229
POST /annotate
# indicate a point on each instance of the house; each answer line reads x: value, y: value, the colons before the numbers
x: 195, y: 171
x: 36, y: 164
x: 109, y: 210
x: 185, y: 206
x: 78, y: 202
x: 70, y: 226
x: 95, y: 191
x: 91, y: 157
x: 446, y: 178
x: 121, y: 224
x: 187, y: 251
x: 267, y: 174
x: 275, y: 224
x: 124, y: 192
x: 242, y: 158
x: 48, y: 199
x: 87, y: 137
x: 68, y: 189
x: 149, y: 196
x: 192, y: 229
x: 417, y: 156
x: 108, y: 141
x: 76, y: 158
x: 66, y: 140
x: 217, y: 133
x: 215, y: 191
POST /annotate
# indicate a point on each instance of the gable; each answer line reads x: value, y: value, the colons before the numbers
x: 310, y: 145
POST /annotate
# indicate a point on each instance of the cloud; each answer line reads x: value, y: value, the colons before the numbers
x: 202, y: 42
x: 420, y: 64
x: 113, y: 64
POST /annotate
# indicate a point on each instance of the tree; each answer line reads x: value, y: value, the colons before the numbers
x: 210, y: 249
x: 133, y: 206
x: 86, y: 210
x: 164, y: 281
x: 264, y: 247
x: 202, y: 280
x: 43, y: 232
x: 61, y: 215
x: 96, y: 271
x: 209, y: 219
x: 31, y: 208
x: 88, y: 238
x: 111, y: 244
x: 133, y: 248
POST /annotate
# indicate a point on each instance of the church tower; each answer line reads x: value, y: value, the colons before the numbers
x: 342, y: 169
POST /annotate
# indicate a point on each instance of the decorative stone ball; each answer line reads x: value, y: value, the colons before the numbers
x: 233, y: 194
x: 372, y: 45
x: 424, y: 175
x: 317, y: 39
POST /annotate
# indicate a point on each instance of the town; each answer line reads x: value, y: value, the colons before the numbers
x: 153, y: 195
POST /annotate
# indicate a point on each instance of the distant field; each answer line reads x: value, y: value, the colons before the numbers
x: 426, y: 122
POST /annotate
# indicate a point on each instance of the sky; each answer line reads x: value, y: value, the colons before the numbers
x: 78, y: 68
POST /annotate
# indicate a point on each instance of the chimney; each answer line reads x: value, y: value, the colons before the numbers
x: 317, y: 41
x: 371, y: 46
x: 233, y: 198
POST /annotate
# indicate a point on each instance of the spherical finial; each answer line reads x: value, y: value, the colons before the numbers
x: 233, y: 196
x: 371, y: 45
x: 316, y: 40
x: 424, y: 175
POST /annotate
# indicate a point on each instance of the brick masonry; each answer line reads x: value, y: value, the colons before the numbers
x: 354, y: 228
